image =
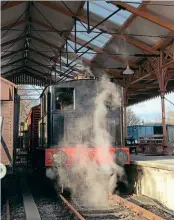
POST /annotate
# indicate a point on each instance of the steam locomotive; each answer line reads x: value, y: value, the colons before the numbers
x: 66, y: 126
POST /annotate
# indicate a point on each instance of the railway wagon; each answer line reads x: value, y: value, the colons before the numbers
x: 9, y: 114
x: 67, y: 121
x: 32, y: 127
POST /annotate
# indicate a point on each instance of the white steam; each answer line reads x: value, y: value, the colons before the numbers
x: 107, y: 96
x: 85, y: 178
x: 87, y: 73
x: 50, y: 173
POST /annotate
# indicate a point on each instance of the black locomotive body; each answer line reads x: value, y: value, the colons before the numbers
x: 67, y: 121
x: 61, y: 108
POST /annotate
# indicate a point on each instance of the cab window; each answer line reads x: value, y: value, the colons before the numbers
x: 64, y: 98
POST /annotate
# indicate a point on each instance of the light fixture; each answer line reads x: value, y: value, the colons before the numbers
x: 128, y: 71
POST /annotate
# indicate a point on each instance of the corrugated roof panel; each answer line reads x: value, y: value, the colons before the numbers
x: 57, y: 19
x: 52, y: 37
x: 9, y: 48
x: 160, y: 10
x: 10, y: 35
x: 119, y: 46
x: 73, y: 6
x: 108, y: 62
x: 11, y: 14
x: 104, y: 9
x: 71, y: 46
x: 100, y: 41
x: 141, y: 26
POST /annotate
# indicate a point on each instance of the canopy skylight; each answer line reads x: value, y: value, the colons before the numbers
x: 99, y: 41
x: 71, y: 48
x: 104, y: 9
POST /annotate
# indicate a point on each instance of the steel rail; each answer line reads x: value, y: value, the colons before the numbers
x: 72, y: 208
x: 137, y: 209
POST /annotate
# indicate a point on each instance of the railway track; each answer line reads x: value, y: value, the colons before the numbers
x: 52, y: 206
x: 38, y: 201
x: 117, y: 208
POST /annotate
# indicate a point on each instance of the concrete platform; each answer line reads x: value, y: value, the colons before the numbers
x: 153, y: 176
x: 162, y: 162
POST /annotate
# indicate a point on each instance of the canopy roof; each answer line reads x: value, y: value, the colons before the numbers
x: 45, y: 42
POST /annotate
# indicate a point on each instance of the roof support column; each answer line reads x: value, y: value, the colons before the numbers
x: 163, y: 117
x: 166, y: 60
x: 124, y: 107
x: 160, y: 72
x: 162, y: 84
x: 161, y: 65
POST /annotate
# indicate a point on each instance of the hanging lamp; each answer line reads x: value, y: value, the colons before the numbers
x: 128, y: 71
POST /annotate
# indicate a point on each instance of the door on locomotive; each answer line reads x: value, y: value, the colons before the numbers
x: 62, y: 107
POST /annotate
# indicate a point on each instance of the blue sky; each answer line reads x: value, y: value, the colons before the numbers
x: 150, y: 111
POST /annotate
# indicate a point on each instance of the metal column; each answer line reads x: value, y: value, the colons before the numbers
x: 163, y: 118
x: 124, y: 107
x: 161, y: 66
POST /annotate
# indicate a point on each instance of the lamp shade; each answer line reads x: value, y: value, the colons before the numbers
x: 128, y: 71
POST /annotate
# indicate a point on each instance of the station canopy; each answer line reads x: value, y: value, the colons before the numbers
x: 47, y: 42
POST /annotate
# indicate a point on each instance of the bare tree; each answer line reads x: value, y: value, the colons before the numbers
x: 132, y: 118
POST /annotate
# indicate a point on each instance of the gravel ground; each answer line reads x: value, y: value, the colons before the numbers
x: 153, y: 206
x: 12, y: 192
x: 158, y: 212
x: 49, y: 205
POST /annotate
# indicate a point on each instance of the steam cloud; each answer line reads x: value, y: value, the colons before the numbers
x: 87, y: 73
x: 87, y: 181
